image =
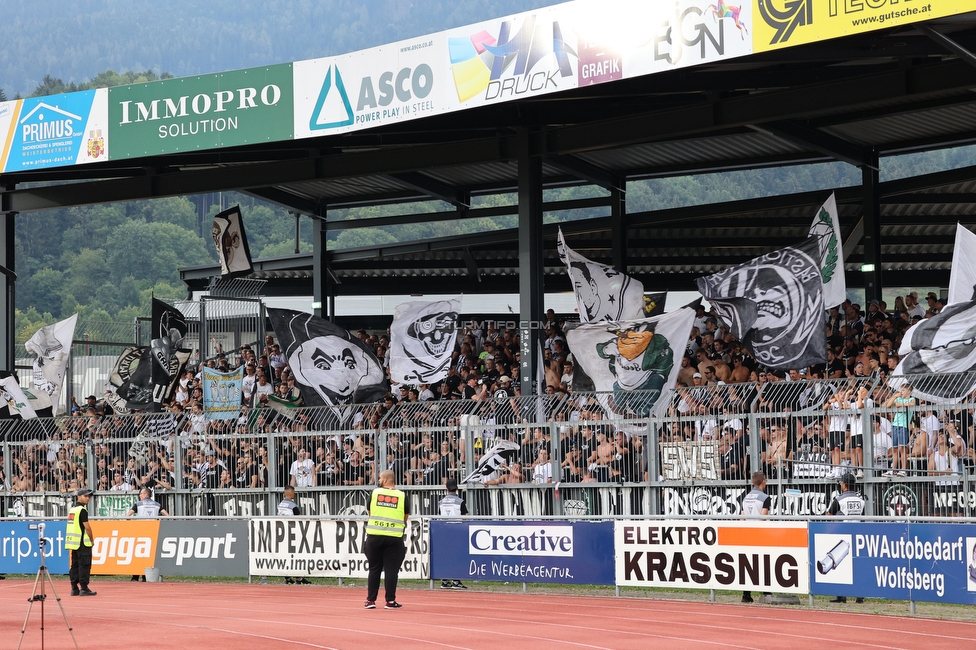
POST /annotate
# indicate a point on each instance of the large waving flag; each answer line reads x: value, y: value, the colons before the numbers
x: 635, y: 360
x: 945, y: 343
x: 169, y: 329
x: 826, y: 228
x: 13, y: 399
x: 602, y: 293
x: 422, y: 339
x: 503, y: 453
x: 52, y: 345
x: 774, y: 305
x: 331, y: 366
x: 232, y: 249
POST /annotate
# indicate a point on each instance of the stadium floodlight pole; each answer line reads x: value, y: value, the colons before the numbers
x: 43, y: 577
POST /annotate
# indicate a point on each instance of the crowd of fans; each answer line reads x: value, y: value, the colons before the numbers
x: 423, y: 430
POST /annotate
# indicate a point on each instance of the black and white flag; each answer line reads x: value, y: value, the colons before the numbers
x: 945, y: 343
x: 503, y: 453
x: 602, y: 293
x: 232, y: 249
x: 13, y: 399
x: 774, y: 305
x: 422, y: 339
x: 52, y: 345
x: 632, y: 363
x: 131, y: 382
x: 331, y: 366
x: 169, y: 329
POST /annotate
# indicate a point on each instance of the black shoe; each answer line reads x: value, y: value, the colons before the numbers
x: 859, y: 601
x: 289, y: 581
x: 87, y: 592
x: 74, y: 591
x: 393, y: 605
x: 747, y: 598
x: 370, y: 604
x: 839, y: 599
x: 446, y: 584
x: 134, y: 579
x: 142, y: 578
x: 304, y: 581
x: 457, y: 585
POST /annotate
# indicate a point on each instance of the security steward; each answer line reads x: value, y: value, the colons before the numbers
x: 79, y: 539
x: 385, y: 545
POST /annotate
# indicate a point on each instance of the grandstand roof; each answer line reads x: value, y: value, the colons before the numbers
x: 899, y: 90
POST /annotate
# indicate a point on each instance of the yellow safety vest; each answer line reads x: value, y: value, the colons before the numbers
x: 387, y: 513
x: 75, y: 535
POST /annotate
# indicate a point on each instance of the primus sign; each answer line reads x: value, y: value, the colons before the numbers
x: 209, y: 111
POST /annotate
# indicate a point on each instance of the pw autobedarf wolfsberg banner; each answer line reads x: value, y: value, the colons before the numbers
x: 774, y: 305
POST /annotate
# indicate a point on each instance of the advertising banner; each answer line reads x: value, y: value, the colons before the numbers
x: 737, y: 555
x: 204, y: 112
x: 19, y: 547
x: 295, y: 546
x: 112, y: 505
x: 920, y: 562
x: 124, y: 547
x: 382, y: 85
x: 202, y: 548
x: 559, y: 552
x: 55, y: 131
x: 784, y: 23
x: 727, y: 500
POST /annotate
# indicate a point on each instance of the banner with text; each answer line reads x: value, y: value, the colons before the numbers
x: 739, y: 555
x: 203, y: 112
x: 19, y: 547
x: 124, y: 547
x: 785, y: 23
x: 558, y: 552
x: 898, y: 561
x: 202, y: 548
x: 295, y: 546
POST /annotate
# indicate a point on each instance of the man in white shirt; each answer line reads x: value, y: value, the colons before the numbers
x: 262, y: 388
x: 542, y: 472
x: 247, y: 385
x: 302, y: 470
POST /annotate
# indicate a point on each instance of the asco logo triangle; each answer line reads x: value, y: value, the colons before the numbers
x: 332, y: 109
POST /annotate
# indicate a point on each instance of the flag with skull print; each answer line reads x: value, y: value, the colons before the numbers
x: 331, y: 366
x: 169, y: 329
x: 632, y: 363
x: 774, y: 305
x: 422, y: 339
x: 232, y: 249
x: 52, y: 345
x: 602, y: 292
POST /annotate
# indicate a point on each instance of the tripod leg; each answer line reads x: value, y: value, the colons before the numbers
x: 30, y: 607
x: 64, y: 614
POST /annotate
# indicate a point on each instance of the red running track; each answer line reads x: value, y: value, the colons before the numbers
x: 194, y: 616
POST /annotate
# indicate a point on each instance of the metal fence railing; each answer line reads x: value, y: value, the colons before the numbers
x: 570, y: 454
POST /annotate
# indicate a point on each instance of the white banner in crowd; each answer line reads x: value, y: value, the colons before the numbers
x: 52, y: 345
x: 422, y: 339
x: 735, y: 555
x: 294, y: 546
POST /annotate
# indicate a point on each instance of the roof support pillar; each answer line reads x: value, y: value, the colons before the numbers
x: 618, y: 228
x: 323, y: 281
x: 531, y: 259
x: 7, y: 262
x: 871, y: 204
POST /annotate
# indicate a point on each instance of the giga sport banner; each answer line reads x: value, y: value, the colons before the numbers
x: 746, y: 555
x: 294, y: 546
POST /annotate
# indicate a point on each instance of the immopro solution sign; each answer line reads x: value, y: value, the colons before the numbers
x: 204, y: 112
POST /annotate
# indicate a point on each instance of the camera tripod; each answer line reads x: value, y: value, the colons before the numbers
x: 40, y: 595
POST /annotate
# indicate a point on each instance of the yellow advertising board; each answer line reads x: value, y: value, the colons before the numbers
x: 785, y: 23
